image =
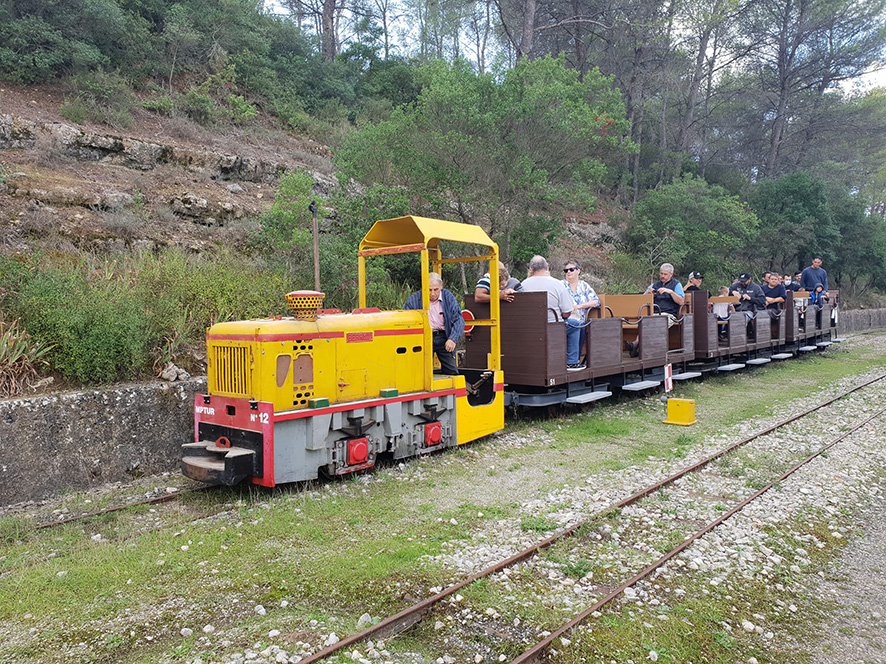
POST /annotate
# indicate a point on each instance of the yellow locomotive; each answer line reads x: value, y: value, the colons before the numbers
x: 323, y: 390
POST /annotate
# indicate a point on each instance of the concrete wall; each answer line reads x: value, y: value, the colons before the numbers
x: 50, y: 444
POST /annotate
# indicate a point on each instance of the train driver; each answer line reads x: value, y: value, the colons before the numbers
x: 446, y: 321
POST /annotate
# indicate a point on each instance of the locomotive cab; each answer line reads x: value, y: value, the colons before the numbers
x: 326, y: 391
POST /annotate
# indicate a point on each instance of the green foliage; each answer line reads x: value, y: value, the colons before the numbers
x: 241, y: 110
x: 162, y: 105
x: 114, y: 319
x: 198, y: 105
x: 286, y: 227
x: 796, y: 221
x: 694, y: 225
x: 97, y: 327
x: 509, y: 154
x: 101, y: 97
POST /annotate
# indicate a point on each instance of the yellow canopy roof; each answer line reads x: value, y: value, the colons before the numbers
x: 411, y: 230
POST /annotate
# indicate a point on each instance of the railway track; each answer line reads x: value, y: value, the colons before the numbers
x: 156, y: 500
x: 412, y: 615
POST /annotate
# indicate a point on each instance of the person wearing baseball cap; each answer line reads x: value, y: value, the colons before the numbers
x: 750, y: 295
x: 694, y: 281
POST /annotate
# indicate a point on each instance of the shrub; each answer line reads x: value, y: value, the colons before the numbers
x: 101, y: 97
x: 96, y: 324
x: 199, y: 106
x: 115, y: 319
x: 162, y: 105
x: 241, y: 110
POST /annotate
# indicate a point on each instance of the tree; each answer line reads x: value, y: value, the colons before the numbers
x: 695, y: 225
x: 808, y: 45
x: 507, y: 155
x: 795, y: 221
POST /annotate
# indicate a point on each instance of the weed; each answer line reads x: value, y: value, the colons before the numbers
x: 20, y: 357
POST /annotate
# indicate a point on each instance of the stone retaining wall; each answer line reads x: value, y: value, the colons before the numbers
x: 861, y: 319
x: 51, y: 444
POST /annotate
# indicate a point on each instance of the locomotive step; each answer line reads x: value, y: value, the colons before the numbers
x: 758, y: 360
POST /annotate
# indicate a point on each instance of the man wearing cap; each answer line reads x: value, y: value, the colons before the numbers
x: 750, y: 295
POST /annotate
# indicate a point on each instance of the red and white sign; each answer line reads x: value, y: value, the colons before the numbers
x: 669, y: 378
x: 468, y: 317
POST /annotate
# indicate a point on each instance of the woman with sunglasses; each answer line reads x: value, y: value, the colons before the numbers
x: 585, y: 298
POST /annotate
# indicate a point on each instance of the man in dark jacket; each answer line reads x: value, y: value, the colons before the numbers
x: 750, y: 299
x: 750, y: 295
x: 446, y: 321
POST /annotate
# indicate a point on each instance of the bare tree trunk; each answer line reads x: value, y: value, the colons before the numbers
x: 694, y: 85
x: 327, y: 34
x: 528, y: 36
x: 579, y: 45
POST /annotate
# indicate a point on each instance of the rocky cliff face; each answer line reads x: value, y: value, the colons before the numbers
x: 165, y: 181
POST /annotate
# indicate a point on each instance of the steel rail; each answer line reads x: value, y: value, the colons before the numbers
x: 119, y: 508
x: 535, y: 654
x: 411, y: 615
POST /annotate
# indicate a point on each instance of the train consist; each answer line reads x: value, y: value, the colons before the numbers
x: 325, y: 391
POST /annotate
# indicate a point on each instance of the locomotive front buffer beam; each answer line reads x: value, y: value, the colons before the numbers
x: 205, y: 461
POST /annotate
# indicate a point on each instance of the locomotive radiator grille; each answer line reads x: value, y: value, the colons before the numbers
x: 232, y: 370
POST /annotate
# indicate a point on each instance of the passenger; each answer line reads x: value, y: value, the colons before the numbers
x: 507, y: 286
x: 668, y: 296
x: 560, y: 303
x: 818, y: 296
x: 668, y: 293
x: 445, y: 319
x: 774, y: 293
x: 722, y: 310
x: 814, y: 275
x: 750, y: 297
x: 585, y: 298
x: 695, y: 283
x: 790, y: 285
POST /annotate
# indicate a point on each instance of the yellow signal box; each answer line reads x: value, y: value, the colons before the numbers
x: 681, y: 411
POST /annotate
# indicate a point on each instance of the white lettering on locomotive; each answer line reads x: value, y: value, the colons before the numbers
x: 205, y: 410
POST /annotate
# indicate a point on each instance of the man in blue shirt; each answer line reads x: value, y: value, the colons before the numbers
x: 667, y: 292
x: 814, y: 275
x: 445, y: 319
x: 775, y: 294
